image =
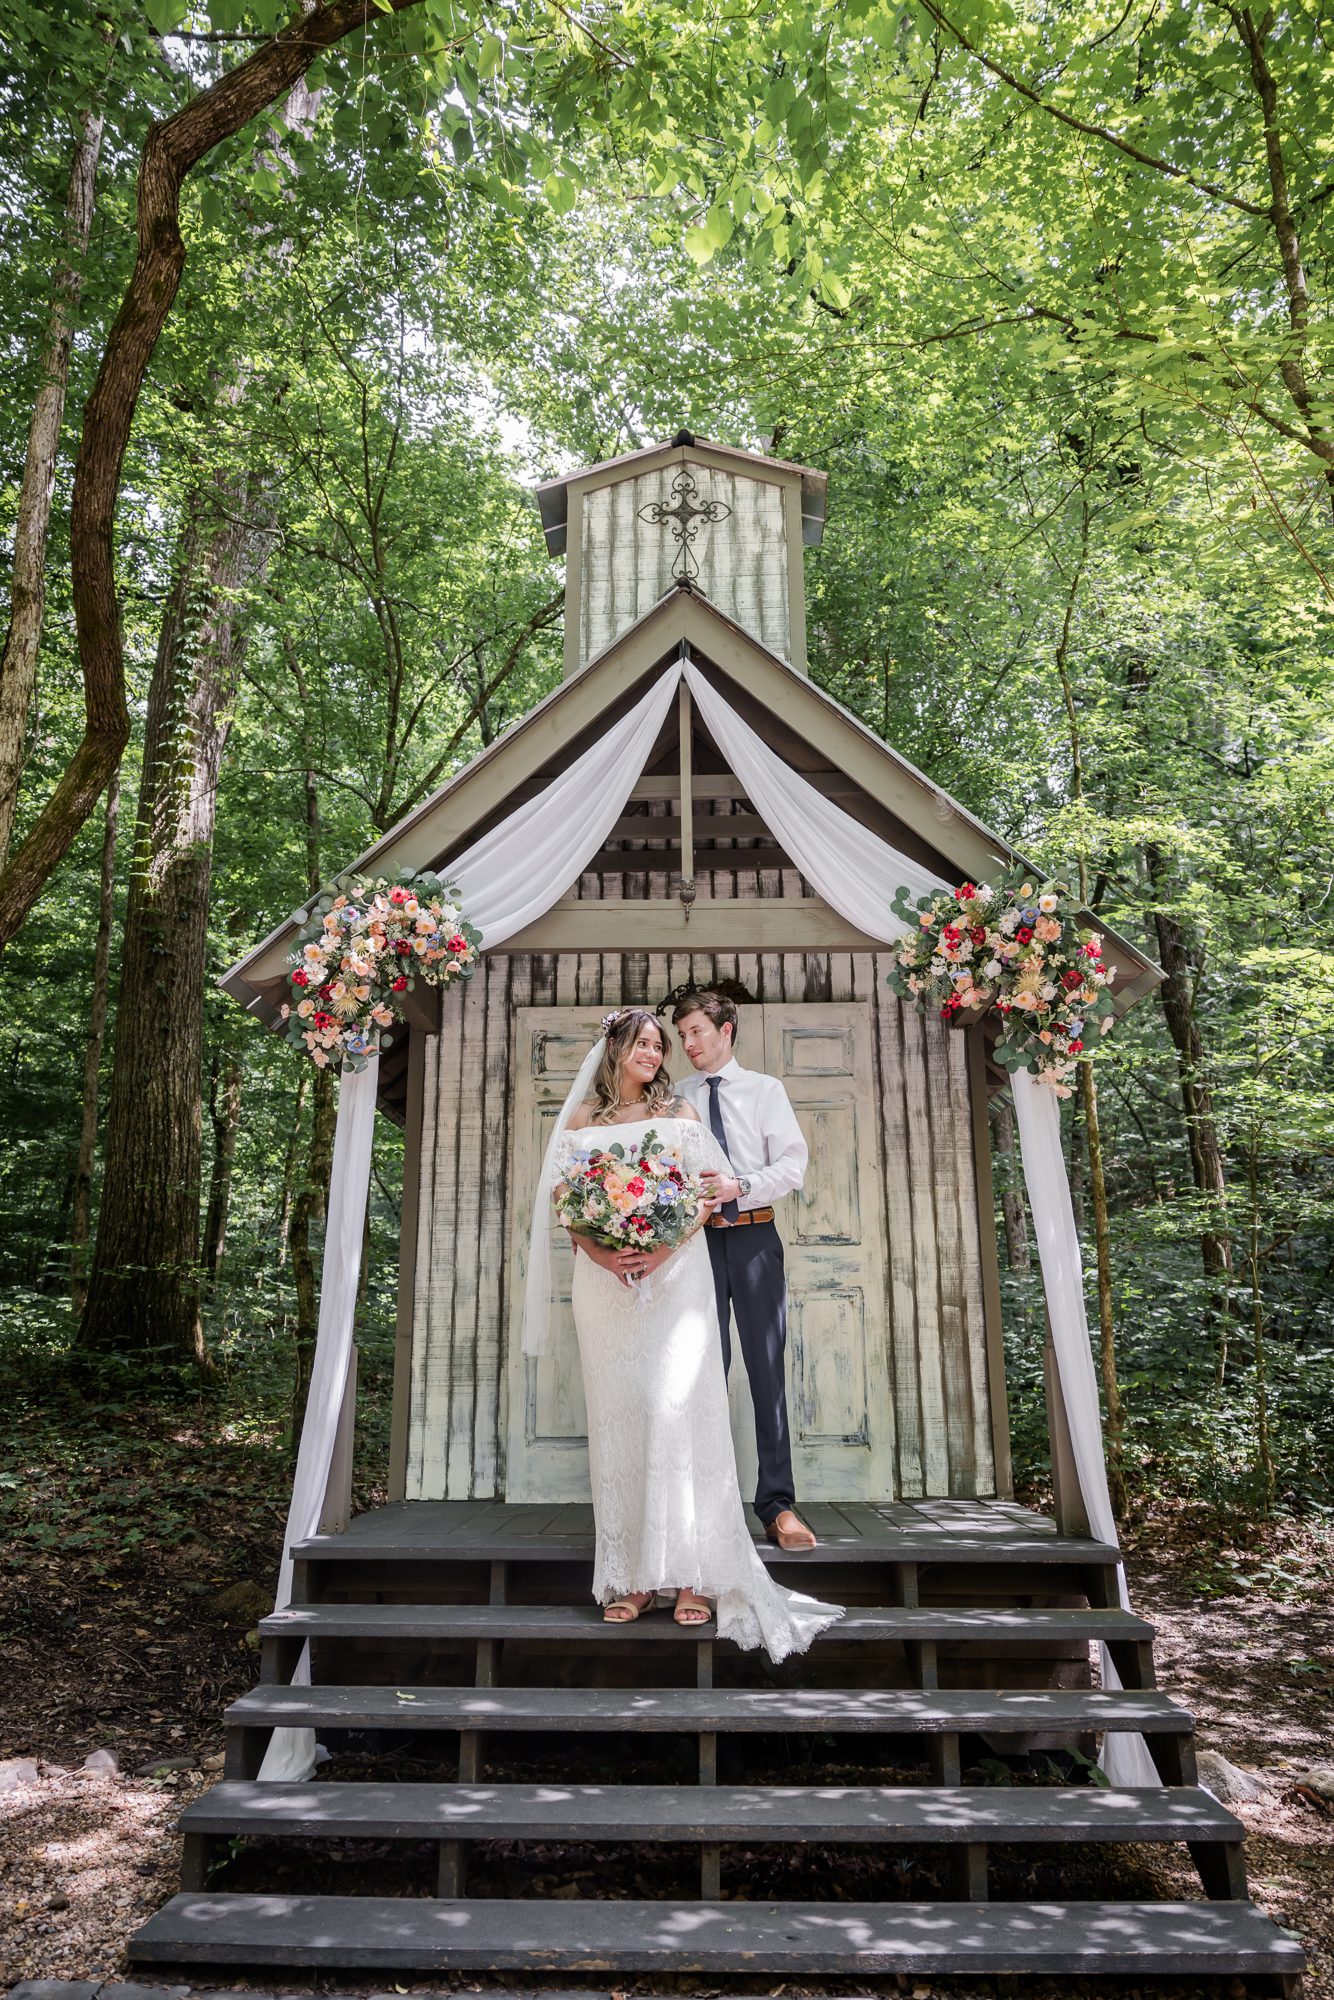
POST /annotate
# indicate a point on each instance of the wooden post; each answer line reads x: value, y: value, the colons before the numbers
x: 336, y: 1511
x: 1071, y: 1515
x: 687, y: 886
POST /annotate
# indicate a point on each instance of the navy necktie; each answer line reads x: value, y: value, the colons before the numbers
x: 730, y: 1209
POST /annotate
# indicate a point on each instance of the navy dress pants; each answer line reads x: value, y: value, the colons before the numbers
x: 749, y: 1281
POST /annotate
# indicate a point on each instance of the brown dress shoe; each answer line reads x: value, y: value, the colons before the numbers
x: 788, y: 1531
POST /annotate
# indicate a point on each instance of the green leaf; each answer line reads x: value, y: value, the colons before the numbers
x: 166, y: 14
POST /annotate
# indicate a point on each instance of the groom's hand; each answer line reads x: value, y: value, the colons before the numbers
x: 720, y: 1187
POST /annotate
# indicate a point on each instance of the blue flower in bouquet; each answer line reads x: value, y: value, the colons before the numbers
x: 668, y: 1196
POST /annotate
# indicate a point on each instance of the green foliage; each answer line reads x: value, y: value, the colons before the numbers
x: 1079, y: 520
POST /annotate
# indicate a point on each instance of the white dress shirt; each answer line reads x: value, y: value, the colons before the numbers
x: 764, y: 1140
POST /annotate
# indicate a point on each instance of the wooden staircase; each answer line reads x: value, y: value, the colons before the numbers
x: 462, y: 1633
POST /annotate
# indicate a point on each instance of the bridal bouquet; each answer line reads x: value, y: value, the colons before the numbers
x: 638, y: 1196
x: 1016, y: 946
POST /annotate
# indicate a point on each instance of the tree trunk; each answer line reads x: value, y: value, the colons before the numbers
x: 143, y: 1292
x: 225, y: 1117
x: 1111, y: 1387
x: 289, y: 1169
x: 1177, y: 994
x: 27, y: 604
x: 308, y: 1207
x: 92, y: 1059
x: 1017, y: 1254
x: 171, y: 149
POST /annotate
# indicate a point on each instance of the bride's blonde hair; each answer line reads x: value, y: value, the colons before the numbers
x: 622, y: 1032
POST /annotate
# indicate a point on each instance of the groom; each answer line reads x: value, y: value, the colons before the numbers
x: 753, y: 1121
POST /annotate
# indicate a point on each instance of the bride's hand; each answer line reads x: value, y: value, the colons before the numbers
x: 631, y: 1264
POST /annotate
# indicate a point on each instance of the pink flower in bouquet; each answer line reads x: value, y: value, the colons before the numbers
x: 1047, y: 929
x: 637, y: 1187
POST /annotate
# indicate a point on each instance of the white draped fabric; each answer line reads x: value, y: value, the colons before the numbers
x: 1125, y: 1759
x: 508, y: 879
x: 291, y: 1752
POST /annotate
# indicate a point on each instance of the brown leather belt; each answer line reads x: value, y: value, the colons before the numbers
x: 746, y: 1215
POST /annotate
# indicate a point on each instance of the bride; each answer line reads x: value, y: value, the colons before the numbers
x: 666, y: 1502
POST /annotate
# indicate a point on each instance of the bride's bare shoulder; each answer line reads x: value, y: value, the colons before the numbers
x: 581, y: 1115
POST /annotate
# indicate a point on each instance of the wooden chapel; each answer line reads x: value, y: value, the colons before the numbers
x: 897, y: 1383
x: 716, y: 1793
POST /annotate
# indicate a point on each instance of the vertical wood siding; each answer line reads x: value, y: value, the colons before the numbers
x: 626, y: 563
x: 933, y: 1328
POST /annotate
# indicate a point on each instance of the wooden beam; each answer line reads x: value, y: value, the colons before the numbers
x: 684, y: 714
x: 734, y: 860
x: 667, y: 826
x: 727, y: 924
x: 723, y: 785
x: 976, y: 1045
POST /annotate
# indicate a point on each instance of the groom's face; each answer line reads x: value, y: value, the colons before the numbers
x: 706, y: 1045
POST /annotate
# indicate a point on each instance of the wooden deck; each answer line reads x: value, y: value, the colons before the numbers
x: 463, y: 1630
x: 923, y: 1531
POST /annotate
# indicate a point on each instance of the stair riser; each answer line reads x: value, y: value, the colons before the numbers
x: 960, y: 1579
x: 883, y: 1664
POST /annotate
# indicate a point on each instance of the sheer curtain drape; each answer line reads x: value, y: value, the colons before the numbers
x: 508, y: 879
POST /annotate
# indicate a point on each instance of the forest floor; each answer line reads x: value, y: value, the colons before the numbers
x: 121, y: 1527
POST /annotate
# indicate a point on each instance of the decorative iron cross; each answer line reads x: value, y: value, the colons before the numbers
x: 685, y: 519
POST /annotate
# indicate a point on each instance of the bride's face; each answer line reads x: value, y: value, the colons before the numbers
x: 642, y: 1060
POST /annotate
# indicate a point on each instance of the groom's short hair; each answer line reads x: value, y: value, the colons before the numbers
x: 716, y: 1005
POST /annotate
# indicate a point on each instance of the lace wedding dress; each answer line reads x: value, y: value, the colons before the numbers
x: 666, y: 1502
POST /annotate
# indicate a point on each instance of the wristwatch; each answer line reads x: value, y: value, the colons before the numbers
x: 744, y: 1186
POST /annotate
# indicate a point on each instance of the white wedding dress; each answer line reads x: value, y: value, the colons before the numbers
x: 666, y: 1501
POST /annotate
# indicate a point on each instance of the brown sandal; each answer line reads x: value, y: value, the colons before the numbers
x: 629, y: 1606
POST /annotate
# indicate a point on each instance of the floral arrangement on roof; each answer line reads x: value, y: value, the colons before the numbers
x: 1017, y: 946
x: 362, y: 948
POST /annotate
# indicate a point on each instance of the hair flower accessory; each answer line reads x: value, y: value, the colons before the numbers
x: 609, y: 1020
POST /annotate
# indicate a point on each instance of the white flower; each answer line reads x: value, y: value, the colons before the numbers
x: 938, y: 968
x: 1009, y: 923
x: 983, y: 893
x: 991, y: 970
x: 1049, y: 992
x: 1047, y: 904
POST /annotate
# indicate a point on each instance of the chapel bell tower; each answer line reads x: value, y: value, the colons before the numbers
x: 729, y: 524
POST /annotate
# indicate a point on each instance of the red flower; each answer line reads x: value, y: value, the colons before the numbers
x: 456, y: 944
x: 951, y: 934
x: 323, y: 1020
x: 1071, y: 979
x: 326, y: 991
x: 402, y: 947
x: 1075, y: 1046
x: 1024, y: 934
x: 635, y: 1187
x: 967, y: 892
x: 300, y: 977
x: 978, y: 934
x: 398, y: 984
x: 398, y: 895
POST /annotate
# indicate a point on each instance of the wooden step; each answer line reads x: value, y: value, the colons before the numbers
x: 775, y: 1710
x: 787, y: 1813
x: 847, y: 1939
x: 389, y: 1545
x: 585, y: 1625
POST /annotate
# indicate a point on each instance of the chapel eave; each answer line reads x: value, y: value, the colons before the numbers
x: 523, y: 753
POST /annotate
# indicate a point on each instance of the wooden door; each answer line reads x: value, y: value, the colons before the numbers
x: 838, y: 1395
x: 840, y: 1411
